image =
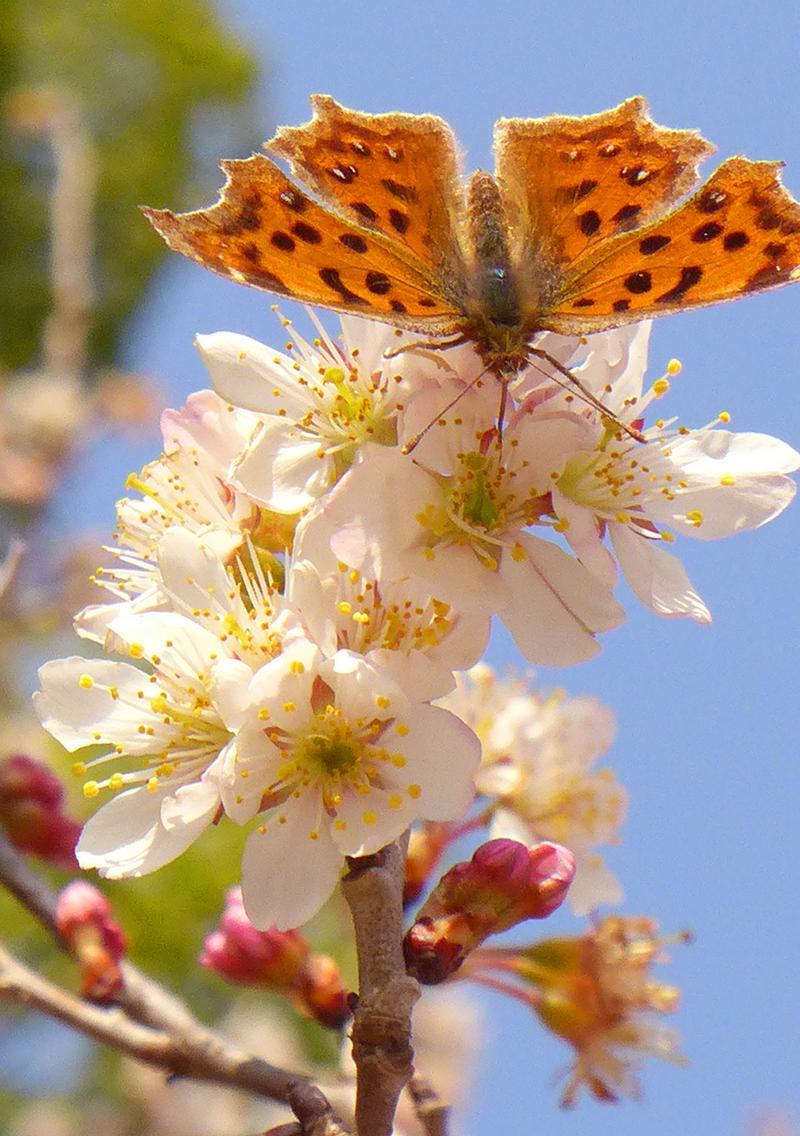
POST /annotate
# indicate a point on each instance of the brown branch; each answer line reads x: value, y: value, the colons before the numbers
x: 431, y: 1111
x: 147, y: 1021
x: 373, y: 888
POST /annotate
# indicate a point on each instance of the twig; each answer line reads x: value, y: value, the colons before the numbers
x: 431, y: 1111
x: 381, y: 1034
x: 148, y: 1021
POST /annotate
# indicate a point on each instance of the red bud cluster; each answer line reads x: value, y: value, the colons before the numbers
x: 276, y: 960
x: 84, y: 921
x: 31, y: 801
x: 503, y: 884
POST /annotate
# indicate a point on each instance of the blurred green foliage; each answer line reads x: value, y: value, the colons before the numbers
x: 141, y: 72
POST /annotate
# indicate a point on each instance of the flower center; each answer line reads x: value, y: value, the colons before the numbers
x: 332, y: 754
x: 613, y: 481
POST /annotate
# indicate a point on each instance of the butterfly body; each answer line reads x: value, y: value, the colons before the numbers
x: 587, y: 224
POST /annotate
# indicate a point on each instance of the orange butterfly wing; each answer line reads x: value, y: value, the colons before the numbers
x: 340, y: 247
x: 740, y: 233
x: 396, y: 173
x: 569, y: 184
x: 600, y: 240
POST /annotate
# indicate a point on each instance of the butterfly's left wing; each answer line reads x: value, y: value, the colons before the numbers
x: 397, y: 174
x: 372, y: 225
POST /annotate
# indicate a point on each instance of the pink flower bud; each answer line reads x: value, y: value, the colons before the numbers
x: 276, y: 960
x: 503, y: 884
x: 31, y: 798
x: 25, y: 778
x: 241, y: 954
x: 84, y: 921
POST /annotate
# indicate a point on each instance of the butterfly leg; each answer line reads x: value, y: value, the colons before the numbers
x: 586, y: 394
x: 427, y: 345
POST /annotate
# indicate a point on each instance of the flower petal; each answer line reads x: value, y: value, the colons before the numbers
x: 127, y: 836
x: 79, y: 713
x: 557, y: 604
x: 287, y: 875
x: 657, y: 577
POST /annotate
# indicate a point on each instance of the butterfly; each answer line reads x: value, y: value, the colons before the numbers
x: 586, y: 225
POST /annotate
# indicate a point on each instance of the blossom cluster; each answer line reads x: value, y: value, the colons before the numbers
x: 320, y: 550
x: 301, y: 590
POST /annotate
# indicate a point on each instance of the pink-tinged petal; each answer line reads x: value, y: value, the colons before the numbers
x: 126, y: 837
x: 314, y: 597
x: 442, y: 756
x: 373, y: 509
x: 284, y: 686
x: 657, y: 577
x: 370, y: 340
x: 206, y: 423
x: 365, y: 823
x: 287, y: 875
x: 85, y: 713
x: 282, y: 468
x: 585, y: 538
x: 548, y: 441
x: 618, y: 359
x: 231, y: 679
x: 92, y: 621
x: 472, y: 412
x: 557, y: 605
x: 359, y: 685
x: 249, y: 766
x: 420, y: 677
x: 455, y: 574
x: 245, y: 373
x: 191, y: 803
x: 725, y: 509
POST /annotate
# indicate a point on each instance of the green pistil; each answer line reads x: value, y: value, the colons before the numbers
x: 332, y: 756
x: 480, y: 507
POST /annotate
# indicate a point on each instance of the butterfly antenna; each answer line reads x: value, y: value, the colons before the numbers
x: 412, y: 443
x: 587, y: 395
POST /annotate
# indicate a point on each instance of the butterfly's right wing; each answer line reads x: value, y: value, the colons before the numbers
x: 381, y: 246
x: 570, y: 184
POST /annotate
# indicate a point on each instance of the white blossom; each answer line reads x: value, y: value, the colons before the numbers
x: 457, y: 515
x: 342, y: 761
x: 539, y: 754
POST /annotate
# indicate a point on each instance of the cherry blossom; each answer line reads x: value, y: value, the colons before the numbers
x: 317, y: 404
x: 187, y: 487
x: 342, y: 761
x: 537, y: 767
x: 166, y: 724
x: 704, y: 483
x: 457, y: 515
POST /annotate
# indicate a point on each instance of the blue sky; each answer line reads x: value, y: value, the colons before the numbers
x: 708, y: 722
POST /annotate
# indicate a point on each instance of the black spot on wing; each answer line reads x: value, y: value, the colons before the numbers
x: 688, y: 278
x: 331, y: 277
x: 650, y: 245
